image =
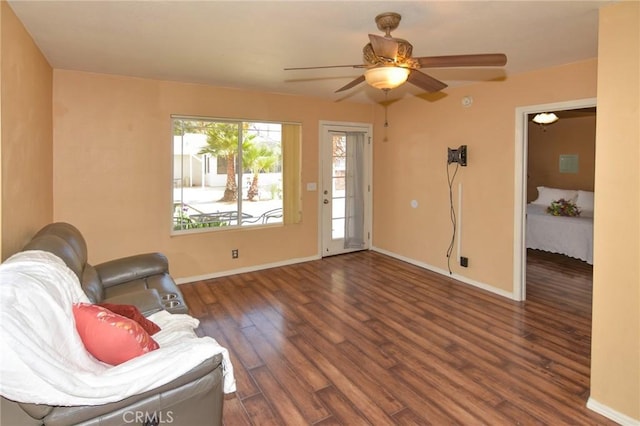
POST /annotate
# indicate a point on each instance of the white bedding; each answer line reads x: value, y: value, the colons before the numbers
x: 571, y: 236
x: 43, y: 359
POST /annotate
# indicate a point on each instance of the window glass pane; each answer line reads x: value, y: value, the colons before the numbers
x: 339, y: 166
x: 337, y: 229
x: 338, y: 207
x: 226, y: 174
x: 339, y: 146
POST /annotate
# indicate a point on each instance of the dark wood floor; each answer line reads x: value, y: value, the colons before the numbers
x: 366, y: 339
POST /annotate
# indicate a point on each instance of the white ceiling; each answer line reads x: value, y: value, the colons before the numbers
x: 246, y: 44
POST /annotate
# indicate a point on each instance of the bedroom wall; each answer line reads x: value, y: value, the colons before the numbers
x: 26, y: 147
x: 571, y: 135
x: 410, y: 163
x: 113, y: 160
x: 615, y: 348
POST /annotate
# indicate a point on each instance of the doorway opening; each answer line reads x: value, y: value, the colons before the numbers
x: 521, y: 183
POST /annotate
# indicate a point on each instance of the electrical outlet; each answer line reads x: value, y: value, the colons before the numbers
x: 464, y: 261
x: 235, y: 254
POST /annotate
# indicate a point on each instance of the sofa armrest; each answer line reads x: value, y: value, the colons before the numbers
x: 119, y: 271
x: 147, y: 301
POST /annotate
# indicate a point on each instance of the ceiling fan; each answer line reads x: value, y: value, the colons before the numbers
x: 388, y: 62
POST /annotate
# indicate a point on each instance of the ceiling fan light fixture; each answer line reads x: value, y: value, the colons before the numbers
x: 386, y: 78
x: 389, y: 63
x: 545, y: 118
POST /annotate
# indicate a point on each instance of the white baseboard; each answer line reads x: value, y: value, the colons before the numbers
x: 432, y: 268
x: 611, y: 414
x: 500, y: 292
x: 245, y: 269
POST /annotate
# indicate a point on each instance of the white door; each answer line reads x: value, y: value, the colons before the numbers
x: 346, y: 188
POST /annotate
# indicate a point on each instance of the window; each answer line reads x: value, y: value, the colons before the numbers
x: 229, y: 173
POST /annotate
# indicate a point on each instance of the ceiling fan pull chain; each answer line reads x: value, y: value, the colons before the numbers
x: 386, y: 93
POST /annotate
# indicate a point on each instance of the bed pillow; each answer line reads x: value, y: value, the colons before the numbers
x: 109, y: 337
x: 546, y: 196
x: 585, y: 200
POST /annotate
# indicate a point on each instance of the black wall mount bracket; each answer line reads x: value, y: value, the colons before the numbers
x: 457, y: 155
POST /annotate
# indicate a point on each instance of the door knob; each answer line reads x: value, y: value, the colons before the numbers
x: 326, y: 201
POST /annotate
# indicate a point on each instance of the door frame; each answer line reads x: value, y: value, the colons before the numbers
x: 520, y: 185
x: 323, y: 127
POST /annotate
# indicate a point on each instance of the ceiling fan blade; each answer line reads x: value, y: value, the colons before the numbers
x: 326, y: 66
x: 479, y: 60
x: 425, y: 82
x: 384, y: 47
x: 351, y: 84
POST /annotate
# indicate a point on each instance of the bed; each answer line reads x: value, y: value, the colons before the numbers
x: 568, y: 235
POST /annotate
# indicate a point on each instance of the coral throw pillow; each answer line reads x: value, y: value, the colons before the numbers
x: 109, y: 337
x: 132, y: 312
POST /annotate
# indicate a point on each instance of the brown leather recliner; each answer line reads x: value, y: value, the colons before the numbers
x: 142, y: 280
x: 195, y: 398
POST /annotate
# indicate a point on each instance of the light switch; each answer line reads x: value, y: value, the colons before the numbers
x: 312, y: 186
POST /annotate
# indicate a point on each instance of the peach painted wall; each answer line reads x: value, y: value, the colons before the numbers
x: 410, y: 163
x: 574, y: 135
x: 27, y: 144
x: 121, y: 125
x: 113, y: 159
x: 615, y: 349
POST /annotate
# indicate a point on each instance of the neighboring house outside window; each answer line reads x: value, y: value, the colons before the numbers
x: 234, y: 173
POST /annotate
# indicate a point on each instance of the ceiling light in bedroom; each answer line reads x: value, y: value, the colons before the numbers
x: 545, y: 118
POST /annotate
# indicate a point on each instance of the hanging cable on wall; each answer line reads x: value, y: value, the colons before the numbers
x: 452, y: 213
x: 459, y: 157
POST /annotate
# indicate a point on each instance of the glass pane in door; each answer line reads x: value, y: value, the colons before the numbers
x: 338, y: 187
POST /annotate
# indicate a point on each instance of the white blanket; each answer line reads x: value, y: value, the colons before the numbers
x: 43, y: 360
x: 571, y: 236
